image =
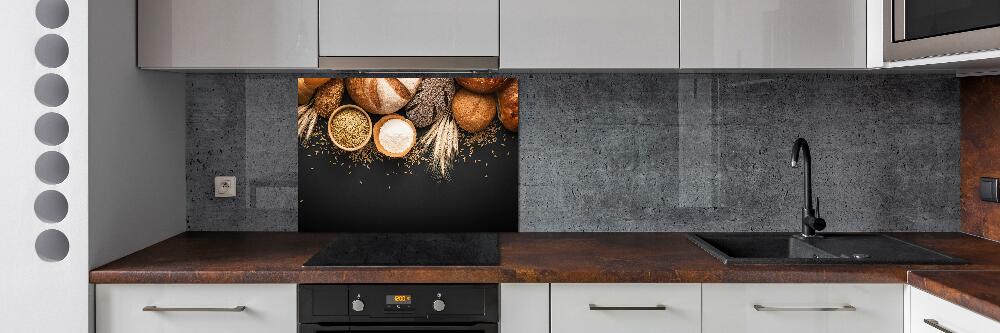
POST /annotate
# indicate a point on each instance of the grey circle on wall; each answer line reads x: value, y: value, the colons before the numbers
x: 51, y: 51
x: 52, y: 13
x: 52, y: 167
x: 51, y: 90
x: 51, y: 206
x: 52, y: 129
x: 52, y: 245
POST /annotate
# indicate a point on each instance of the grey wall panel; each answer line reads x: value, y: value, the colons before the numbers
x: 243, y: 126
x: 642, y: 152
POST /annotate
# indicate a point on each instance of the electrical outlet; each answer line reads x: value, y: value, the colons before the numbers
x: 225, y: 187
x: 988, y: 189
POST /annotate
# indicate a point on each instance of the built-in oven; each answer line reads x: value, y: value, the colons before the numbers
x: 916, y: 29
x: 384, y: 308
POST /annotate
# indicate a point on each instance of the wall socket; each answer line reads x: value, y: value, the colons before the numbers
x: 225, y: 187
x: 988, y: 189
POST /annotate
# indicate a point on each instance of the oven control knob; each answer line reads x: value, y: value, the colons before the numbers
x: 358, y: 305
x: 438, y: 305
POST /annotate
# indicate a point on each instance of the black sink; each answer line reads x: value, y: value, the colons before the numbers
x: 833, y: 248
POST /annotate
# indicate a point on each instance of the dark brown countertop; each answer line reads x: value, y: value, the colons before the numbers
x: 264, y: 257
x: 974, y: 290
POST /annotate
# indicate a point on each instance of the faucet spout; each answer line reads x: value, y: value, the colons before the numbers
x: 810, y: 222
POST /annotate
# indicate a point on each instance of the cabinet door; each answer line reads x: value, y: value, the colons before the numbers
x: 122, y: 308
x: 408, y: 28
x: 773, y: 34
x: 581, y: 34
x: 802, y: 308
x: 625, y: 308
x: 524, y: 308
x: 930, y: 314
x: 227, y: 33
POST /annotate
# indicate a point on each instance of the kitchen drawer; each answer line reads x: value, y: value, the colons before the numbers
x: 269, y: 308
x: 948, y: 316
x: 625, y: 308
x: 802, y: 308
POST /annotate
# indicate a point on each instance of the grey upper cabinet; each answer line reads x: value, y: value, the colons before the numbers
x: 192, y: 34
x: 775, y: 34
x: 409, y: 28
x: 589, y: 34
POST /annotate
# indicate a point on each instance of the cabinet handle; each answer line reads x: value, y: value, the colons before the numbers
x: 154, y: 308
x: 935, y: 324
x: 657, y: 307
x: 759, y: 307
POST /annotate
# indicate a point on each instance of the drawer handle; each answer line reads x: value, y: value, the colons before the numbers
x: 935, y: 324
x: 154, y: 308
x: 759, y: 307
x: 595, y: 307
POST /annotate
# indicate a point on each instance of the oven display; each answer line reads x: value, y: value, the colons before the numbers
x: 398, y: 299
x: 398, y: 303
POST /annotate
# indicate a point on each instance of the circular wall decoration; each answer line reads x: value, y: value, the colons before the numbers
x: 51, y: 129
x: 51, y: 206
x: 51, y: 51
x: 52, y: 245
x: 52, y: 13
x: 52, y: 167
x: 51, y: 90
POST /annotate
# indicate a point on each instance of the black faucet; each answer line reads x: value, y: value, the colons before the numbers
x: 810, y: 221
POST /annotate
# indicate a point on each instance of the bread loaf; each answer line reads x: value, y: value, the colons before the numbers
x: 472, y: 111
x: 307, y: 87
x: 381, y: 95
x: 508, y: 106
x: 328, y: 97
x: 482, y: 85
x: 431, y: 102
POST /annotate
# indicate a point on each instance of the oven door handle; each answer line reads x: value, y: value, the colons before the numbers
x: 485, y: 328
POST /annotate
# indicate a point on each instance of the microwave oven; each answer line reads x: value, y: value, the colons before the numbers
x: 915, y: 29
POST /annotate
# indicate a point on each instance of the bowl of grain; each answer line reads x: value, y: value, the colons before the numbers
x: 349, y: 127
x: 394, y: 135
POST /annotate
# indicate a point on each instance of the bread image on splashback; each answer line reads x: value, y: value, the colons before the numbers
x: 382, y: 96
x: 441, y: 154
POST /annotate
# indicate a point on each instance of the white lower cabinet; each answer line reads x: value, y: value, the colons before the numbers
x: 569, y: 308
x: 524, y: 308
x: 625, y: 308
x: 201, y: 308
x: 802, y: 308
x: 930, y: 314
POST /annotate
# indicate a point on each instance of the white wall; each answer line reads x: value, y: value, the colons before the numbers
x: 124, y: 187
x: 38, y: 295
x: 137, y: 186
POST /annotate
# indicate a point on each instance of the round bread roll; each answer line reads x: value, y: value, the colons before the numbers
x: 508, y: 106
x: 307, y: 87
x: 381, y: 96
x: 472, y: 111
x: 328, y: 97
x: 482, y: 85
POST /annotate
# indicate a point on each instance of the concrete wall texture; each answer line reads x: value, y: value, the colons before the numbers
x: 640, y: 152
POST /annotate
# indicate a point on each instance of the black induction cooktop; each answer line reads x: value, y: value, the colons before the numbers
x: 409, y: 249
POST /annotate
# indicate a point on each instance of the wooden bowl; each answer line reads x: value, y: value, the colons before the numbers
x: 378, y: 127
x: 329, y: 128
